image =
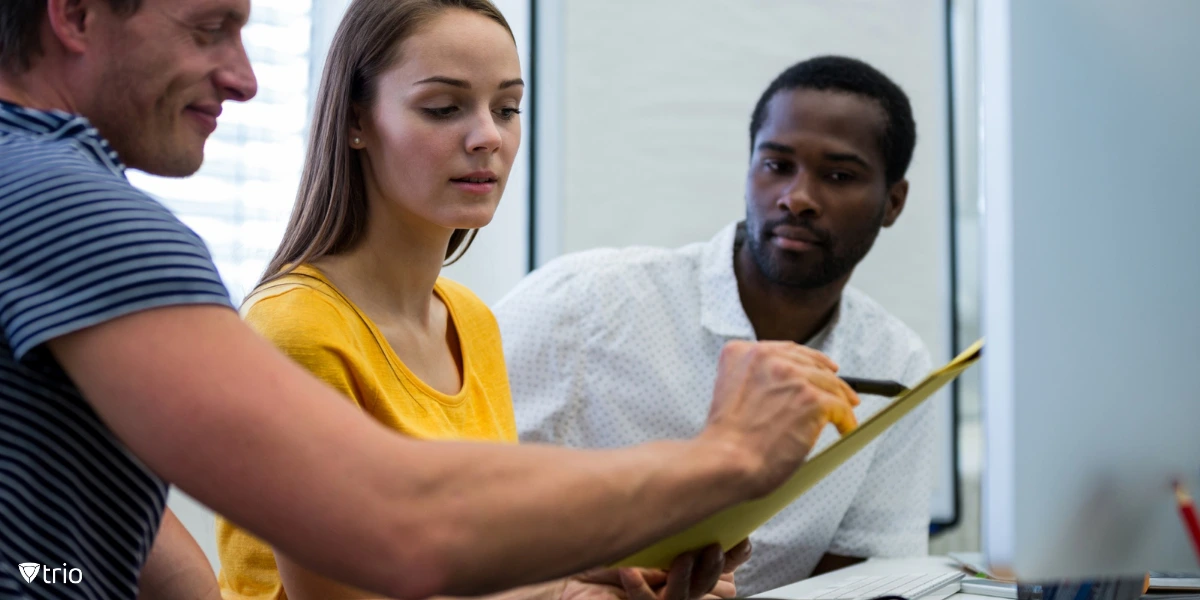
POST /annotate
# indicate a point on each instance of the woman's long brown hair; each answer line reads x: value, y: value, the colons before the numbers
x: 330, y: 215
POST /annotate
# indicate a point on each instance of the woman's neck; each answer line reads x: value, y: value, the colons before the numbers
x: 391, y: 272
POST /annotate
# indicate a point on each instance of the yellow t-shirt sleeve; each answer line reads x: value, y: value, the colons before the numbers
x: 311, y: 330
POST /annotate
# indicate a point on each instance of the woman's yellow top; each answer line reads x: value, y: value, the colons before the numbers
x: 307, y: 318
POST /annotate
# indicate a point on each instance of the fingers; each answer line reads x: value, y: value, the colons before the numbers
x: 709, y: 565
x: 692, y: 576
x: 600, y: 575
x: 734, y: 558
x: 655, y: 578
x: 772, y: 400
x: 737, y: 556
x: 679, y: 578
x: 609, y: 576
x: 725, y: 588
x: 848, y: 392
x: 820, y: 369
x: 836, y: 398
x: 840, y: 413
x: 831, y: 384
x: 835, y: 404
x: 635, y: 585
x: 803, y: 354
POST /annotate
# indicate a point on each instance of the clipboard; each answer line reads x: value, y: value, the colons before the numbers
x: 735, y: 524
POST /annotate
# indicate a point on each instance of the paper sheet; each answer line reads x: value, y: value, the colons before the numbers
x: 735, y: 524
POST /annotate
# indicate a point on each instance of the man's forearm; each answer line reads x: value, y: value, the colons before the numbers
x: 218, y: 411
x: 449, y: 521
x: 449, y: 514
x: 341, y: 494
x: 576, y: 509
x: 301, y: 583
x: 609, y: 504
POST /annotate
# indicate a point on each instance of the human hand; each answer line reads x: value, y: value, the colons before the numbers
x: 770, y: 402
x: 706, y: 574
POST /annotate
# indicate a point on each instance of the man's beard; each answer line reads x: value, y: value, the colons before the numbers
x: 838, y: 255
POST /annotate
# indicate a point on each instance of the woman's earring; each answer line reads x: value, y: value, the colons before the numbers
x: 357, y: 141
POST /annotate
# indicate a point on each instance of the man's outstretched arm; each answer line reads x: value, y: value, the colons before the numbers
x: 215, y: 409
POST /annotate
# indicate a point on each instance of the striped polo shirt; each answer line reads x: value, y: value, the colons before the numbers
x: 78, y: 246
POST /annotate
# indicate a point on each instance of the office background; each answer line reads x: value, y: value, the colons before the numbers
x: 636, y: 133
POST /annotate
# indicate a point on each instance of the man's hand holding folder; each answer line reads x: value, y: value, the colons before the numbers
x: 729, y: 527
x: 802, y: 375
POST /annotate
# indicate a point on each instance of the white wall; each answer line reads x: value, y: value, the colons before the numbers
x: 652, y: 102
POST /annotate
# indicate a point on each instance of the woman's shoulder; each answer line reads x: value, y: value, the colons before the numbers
x: 470, y: 313
x: 462, y: 298
x: 298, y: 305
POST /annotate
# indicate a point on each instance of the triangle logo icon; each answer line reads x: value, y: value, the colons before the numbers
x: 29, y: 571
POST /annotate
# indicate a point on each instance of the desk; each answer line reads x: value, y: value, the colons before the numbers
x: 873, y: 567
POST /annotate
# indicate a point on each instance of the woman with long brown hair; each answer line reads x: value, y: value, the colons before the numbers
x: 415, y: 131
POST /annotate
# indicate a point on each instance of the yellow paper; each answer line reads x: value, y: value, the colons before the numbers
x: 735, y: 524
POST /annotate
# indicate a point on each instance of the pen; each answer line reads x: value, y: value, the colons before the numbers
x: 1187, y: 511
x: 875, y: 387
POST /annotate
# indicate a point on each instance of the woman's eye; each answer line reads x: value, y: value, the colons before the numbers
x: 508, y: 113
x: 841, y: 176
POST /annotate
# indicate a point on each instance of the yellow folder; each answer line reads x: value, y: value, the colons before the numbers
x: 735, y: 524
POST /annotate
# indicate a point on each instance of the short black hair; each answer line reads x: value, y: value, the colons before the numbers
x: 842, y: 74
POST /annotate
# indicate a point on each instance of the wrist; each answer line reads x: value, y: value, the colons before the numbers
x: 739, y: 469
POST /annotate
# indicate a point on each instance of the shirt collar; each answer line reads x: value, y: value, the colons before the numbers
x: 721, y: 310
x: 54, y: 125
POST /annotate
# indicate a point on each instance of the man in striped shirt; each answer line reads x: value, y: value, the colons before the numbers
x: 123, y: 367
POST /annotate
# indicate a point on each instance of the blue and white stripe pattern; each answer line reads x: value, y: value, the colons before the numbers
x: 78, y: 246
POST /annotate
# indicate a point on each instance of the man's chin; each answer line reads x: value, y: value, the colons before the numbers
x: 805, y: 280
x: 789, y: 270
x: 170, y: 164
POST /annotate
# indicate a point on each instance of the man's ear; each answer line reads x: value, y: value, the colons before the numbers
x: 71, y: 21
x: 896, y: 197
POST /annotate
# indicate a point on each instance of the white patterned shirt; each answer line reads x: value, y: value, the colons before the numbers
x: 610, y: 348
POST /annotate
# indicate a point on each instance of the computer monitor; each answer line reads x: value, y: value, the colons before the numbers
x: 1091, y: 169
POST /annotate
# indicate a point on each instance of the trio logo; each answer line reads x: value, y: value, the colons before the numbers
x: 30, y: 570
